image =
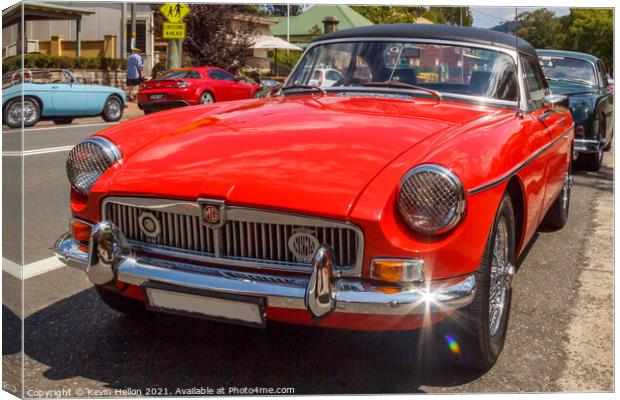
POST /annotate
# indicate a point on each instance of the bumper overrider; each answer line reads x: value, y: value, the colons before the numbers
x: 109, y: 258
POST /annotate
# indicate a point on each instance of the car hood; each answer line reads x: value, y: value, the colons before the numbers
x: 312, y: 154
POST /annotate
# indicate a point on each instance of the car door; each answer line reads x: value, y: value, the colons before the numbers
x: 606, y: 98
x: 68, y: 96
x: 549, y: 126
x: 223, y: 85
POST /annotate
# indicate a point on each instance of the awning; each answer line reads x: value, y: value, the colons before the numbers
x: 37, y: 11
x: 272, y: 42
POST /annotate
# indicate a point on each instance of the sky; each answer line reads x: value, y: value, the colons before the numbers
x: 488, y: 17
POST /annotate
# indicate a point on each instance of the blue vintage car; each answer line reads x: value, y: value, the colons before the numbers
x: 583, y: 78
x: 56, y: 94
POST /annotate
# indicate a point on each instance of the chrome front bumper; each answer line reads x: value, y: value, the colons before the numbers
x: 109, y: 258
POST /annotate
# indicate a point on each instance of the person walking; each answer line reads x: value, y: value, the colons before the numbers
x: 135, y: 64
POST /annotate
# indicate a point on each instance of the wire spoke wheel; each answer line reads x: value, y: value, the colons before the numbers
x: 113, y: 108
x: 500, y: 277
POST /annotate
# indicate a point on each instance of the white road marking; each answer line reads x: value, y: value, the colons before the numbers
x: 32, y: 269
x: 60, y: 127
x: 35, y: 152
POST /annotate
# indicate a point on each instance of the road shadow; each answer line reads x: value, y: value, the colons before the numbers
x: 80, y: 337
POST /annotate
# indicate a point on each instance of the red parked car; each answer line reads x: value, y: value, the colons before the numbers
x: 377, y: 203
x: 189, y: 86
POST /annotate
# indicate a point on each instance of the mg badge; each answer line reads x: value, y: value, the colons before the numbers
x: 149, y: 224
x: 212, y: 213
x: 303, y: 244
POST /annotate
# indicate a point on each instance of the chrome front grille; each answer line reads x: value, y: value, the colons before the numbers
x: 249, y: 237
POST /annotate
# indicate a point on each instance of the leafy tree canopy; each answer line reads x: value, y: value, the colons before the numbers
x: 280, y: 9
x: 438, y: 15
x: 587, y: 30
x: 215, y: 37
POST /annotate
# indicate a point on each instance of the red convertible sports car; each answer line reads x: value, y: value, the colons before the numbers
x: 377, y: 203
x: 188, y: 86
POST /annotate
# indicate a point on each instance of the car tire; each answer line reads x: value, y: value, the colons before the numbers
x: 591, y: 161
x: 63, y: 121
x: 122, y: 304
x: 556, y: 217
x: 31, y: 106
x: 611, y: 138
x: 206, y: 98
x: 113, y: 109
x: 475, y: 334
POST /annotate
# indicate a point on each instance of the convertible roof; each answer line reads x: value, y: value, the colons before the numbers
x: 435, y: 32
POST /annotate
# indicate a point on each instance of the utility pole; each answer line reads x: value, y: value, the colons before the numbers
x: 461, y: 15
x: 288, y: 24
x: 133, y: 25
x: 124, y: 30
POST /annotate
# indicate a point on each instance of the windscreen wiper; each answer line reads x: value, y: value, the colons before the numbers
x: 402, y: 85
x: 307, y: 87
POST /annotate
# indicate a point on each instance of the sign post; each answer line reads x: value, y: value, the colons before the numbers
x: 174, y: 31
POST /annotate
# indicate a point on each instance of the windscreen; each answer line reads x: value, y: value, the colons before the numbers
x: 444, y: 68
x: 568, y: 69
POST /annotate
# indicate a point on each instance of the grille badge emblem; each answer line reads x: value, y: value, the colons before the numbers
x: 303, y: 244
x: 149, y: 224
x: 212, y: 213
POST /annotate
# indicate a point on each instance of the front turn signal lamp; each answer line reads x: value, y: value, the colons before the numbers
x: 80, y: 230
x: 397, y: 270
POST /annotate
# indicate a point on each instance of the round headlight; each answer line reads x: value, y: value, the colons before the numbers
x: 431, y: 199
x: 88, y: 160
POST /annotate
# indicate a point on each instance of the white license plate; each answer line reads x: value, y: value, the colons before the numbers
x: 157, y: 96
x: 213, y: 307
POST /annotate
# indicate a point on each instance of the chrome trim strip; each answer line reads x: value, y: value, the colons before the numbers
x: 245, y: 214
x: 349, y: 295
x: 515, y: 170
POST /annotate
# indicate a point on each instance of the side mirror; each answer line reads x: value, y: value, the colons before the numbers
x: 555, y: 100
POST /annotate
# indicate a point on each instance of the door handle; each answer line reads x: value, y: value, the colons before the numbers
x: 54, y: 87
x: 544, y: 115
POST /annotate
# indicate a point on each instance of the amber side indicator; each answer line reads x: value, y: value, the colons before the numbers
x: 397, y: 270
x: 80, y: 231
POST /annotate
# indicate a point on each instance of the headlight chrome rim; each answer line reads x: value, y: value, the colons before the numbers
x: 88, y: 178
x: 454, y: 182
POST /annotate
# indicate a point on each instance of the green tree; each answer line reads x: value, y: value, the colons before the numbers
x: 389, y: 15
x: 449, y: 15
x: 539, y: 27
x: 315, y: 31
x: 588, y: 30
x: 280, y: 9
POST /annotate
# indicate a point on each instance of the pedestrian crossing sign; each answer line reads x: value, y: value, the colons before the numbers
x: 174, y: 12
x: 173, y: 30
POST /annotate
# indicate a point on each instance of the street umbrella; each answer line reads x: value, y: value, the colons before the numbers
x: 274, y: 43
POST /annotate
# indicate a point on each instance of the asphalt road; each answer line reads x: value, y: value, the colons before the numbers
x: 560, y: 334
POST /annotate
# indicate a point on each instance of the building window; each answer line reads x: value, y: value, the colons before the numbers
x: 140, y: 35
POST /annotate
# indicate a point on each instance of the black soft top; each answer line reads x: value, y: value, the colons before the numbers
x: 435, y: 32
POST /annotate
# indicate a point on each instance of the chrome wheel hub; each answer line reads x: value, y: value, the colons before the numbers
x: 27, y: 113
x: 206, y: 98
x: 502, y: 274
x: 114, y: 109
x: 568, y: 183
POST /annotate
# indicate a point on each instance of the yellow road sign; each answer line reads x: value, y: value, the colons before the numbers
x: 174, y: 12
x: 174, y: 30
